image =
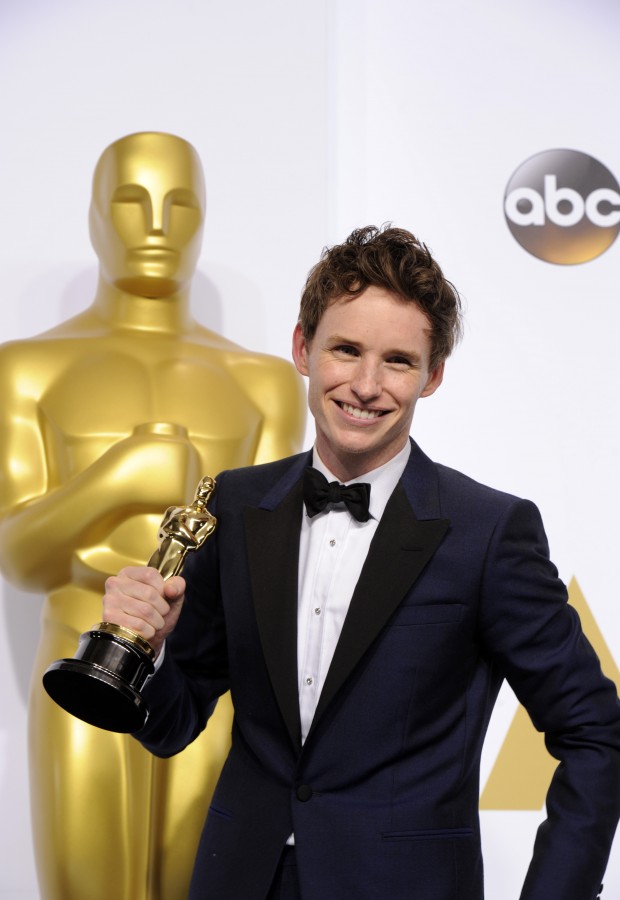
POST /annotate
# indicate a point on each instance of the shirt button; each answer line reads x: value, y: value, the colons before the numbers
x: 332, y: 543
x: 309, y: 680
x: 304, y: 792
x: 317, y: 610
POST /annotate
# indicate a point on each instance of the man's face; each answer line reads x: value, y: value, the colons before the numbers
x: 367, y: 365
x: 147, y: 214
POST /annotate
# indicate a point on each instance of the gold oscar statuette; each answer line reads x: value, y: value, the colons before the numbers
x: 102, y: 683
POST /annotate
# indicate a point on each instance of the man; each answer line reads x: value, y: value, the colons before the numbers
x: 364, y: 654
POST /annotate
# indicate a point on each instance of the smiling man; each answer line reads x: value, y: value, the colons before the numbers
x: 364, y: 604
x: 368, y: 363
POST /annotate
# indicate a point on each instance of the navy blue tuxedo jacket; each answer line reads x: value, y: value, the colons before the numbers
x: 457, y: 593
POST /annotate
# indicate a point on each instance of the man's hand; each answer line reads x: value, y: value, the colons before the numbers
x: 138, y: 598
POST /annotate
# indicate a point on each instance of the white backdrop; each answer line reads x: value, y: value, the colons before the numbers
x: 312, y: 119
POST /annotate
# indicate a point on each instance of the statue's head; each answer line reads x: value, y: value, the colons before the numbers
x: 147, y: 213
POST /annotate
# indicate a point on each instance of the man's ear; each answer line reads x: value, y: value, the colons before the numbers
x: 434, y: 380
x: 300, y: 351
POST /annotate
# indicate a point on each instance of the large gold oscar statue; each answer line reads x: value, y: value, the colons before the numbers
x: 105, y: 421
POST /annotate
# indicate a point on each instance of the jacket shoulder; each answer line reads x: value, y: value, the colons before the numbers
x: 249, y: 484
x: 444, y: 492
x: 462, y: 487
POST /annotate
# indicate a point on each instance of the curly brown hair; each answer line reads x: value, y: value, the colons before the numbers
x: 396, y: 260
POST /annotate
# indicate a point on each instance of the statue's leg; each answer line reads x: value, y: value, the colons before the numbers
x: 183, y: 786
x: 90, y: 797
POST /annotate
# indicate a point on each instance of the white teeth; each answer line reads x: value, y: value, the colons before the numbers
x: 360, y: 413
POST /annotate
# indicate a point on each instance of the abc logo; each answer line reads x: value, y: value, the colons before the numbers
x: 563, y: 206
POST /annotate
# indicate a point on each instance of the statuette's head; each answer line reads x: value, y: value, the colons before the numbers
x: 147, y: 213
x: 205, y: 489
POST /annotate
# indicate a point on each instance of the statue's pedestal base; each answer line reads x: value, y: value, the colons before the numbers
x: 101, y: 685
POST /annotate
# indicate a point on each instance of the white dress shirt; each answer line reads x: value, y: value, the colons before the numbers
x: 332, y: 551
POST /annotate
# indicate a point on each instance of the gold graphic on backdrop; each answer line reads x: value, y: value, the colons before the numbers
x: 105, y: 421
x: 523, y: 769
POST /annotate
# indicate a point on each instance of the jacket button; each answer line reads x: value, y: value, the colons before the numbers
x: 304, y: 792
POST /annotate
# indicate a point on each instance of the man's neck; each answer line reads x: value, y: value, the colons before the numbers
x: 357, y: 468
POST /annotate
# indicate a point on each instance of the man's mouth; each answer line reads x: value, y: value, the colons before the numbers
x: 362, y: 413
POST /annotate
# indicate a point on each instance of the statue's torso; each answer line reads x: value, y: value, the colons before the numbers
x: 94, y: 393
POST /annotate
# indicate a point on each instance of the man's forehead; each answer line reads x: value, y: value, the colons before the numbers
x: 350, y: 302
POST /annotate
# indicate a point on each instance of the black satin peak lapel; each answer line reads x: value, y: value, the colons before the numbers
x: 399, y: 551
x: 273, y: 549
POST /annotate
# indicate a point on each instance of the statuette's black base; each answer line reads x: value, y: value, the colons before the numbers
x: 101, y: 685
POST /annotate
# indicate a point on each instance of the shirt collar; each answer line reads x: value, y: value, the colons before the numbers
x: 382, y: 480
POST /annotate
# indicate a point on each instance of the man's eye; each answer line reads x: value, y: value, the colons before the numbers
x: 346, y: 349
x: 399, y: 361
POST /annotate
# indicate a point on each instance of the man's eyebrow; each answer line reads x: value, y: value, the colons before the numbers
x: 340, y: 339
x: 412, y: 354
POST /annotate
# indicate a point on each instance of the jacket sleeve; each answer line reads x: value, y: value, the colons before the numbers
x: 536, y: 640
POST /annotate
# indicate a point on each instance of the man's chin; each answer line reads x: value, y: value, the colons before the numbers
x: 357, y: 457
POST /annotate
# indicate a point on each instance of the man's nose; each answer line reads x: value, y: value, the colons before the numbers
x: 366, y: 383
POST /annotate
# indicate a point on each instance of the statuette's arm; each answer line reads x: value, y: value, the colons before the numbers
x: 40, y: 534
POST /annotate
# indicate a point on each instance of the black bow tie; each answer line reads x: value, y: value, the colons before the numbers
x: 318, y: 492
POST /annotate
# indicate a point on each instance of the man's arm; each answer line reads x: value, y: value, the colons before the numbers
x: 536, y: 640
x: 193, y: 674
